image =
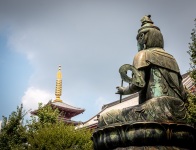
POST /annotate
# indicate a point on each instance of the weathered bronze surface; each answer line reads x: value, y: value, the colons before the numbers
x: 144, y: 134
x: 163, y: 109
x: 159, y: 121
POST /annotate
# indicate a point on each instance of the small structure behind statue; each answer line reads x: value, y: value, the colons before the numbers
x: 159, y: 121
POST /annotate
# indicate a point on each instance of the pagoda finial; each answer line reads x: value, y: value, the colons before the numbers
x: 58, y: 85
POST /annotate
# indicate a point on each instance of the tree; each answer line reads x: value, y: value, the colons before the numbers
x: 192, y: 95
x: 45, y: 115
x: 45, y: 132
x: 49, y: 133
x: 13, y: 133
x: 59, y: 136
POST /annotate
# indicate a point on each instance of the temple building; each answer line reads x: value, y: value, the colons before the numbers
x: 66, y: 111
x: 129, y: 101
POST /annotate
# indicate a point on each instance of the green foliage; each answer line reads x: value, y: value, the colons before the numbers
x: 49, y: 133
x: 46, y: 114
x: 192, y: 108
x: 46, y: 132
x: 59, y: 136
x: 192, y: 53
x: 192, y: 95
x: 13, y: 133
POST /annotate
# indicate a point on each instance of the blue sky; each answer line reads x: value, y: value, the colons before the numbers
x: 15, y: 72
x: 89, y: 39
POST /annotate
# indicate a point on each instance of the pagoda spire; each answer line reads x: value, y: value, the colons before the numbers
x: 58, y: 90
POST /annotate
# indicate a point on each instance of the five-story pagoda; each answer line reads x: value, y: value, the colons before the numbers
x: 66, y: 111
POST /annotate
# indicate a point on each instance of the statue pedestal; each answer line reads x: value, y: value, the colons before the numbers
x: 151, y: 148
x: 145, y: 136
x: 159, y: 123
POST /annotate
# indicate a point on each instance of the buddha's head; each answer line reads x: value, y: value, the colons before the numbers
x: 149, y: 35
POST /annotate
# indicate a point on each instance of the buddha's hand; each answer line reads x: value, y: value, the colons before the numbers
x: 120, y: 90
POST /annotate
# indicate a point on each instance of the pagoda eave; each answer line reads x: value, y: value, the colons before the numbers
x: 69, y: 121
x: 67, y: 108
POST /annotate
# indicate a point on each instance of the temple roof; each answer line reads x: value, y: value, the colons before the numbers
x: 73, y: 111
x: 67, y: 107
x: 69, y: 121
x: 127, y: 98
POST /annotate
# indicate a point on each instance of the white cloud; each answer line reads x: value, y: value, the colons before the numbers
x: 33, y: 96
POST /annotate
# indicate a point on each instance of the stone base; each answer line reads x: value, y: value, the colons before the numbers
x: 151, y: 148
x: 145, y: 136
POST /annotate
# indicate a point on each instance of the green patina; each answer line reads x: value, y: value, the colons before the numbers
x: 156, y: 89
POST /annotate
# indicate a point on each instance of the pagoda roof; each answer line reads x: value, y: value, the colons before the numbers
x: 69, y: 121
x: 63, y: 107
x: 67, y: 107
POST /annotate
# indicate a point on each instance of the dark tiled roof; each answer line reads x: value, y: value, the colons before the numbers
x: 65, y: 106
x: 68, y: 121
x: 185, y: 75
x: 123, y: 100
